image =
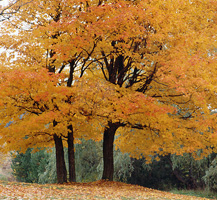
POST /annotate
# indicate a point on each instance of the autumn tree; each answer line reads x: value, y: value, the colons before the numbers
x: 163, y: 50
x: 20, y: 104
x: 146, y: 68
x: 34, y: 110
x: 42, y: 54
x: 60, y: 164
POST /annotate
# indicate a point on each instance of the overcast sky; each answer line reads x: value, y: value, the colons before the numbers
x: 3, y: 2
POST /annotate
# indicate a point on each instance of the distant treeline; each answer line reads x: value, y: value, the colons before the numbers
x: 171, y: 171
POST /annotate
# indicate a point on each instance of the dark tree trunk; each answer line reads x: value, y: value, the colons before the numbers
x: 71, y: 155
x: 108, y: 143
x: 60, y: 161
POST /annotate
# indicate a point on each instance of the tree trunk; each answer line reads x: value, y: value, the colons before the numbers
x: 108, y: 143
x: 60, y: 161
x: 71, y: 155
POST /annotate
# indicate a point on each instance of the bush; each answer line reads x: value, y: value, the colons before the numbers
x: 40, y: 167
x: 27, y: 166
x: 157, y: 175
x: 169, y: 172
x: 48, y: 175
x: 210, y: 177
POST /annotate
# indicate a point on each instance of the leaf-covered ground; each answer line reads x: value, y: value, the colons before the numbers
x: 95, y: 190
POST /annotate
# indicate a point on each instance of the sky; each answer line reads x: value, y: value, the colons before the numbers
x: 3, y: 2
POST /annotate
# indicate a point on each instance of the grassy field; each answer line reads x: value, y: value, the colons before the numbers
x: 196, y: 193
x: 95, y: 190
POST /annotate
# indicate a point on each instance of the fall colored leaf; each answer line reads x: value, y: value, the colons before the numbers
x: 94, y: 190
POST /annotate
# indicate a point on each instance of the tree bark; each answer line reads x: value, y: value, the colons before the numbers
x: 60, y: 161
x: 108, y: 143
x: 71, y: 155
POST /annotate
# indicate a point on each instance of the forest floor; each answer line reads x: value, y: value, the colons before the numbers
x: 94, y: 190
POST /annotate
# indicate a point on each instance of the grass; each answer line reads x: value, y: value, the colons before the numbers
x: 196, y: 193
x: 3, y: 177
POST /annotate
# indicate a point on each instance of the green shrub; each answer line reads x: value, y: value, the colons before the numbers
x: 27, y: 166
x: 210, y: 177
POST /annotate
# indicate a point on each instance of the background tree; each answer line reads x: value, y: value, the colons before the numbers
x: 89, y: 166
x: 170, y: 172
x: 27, y: 167
x: 210, y: 176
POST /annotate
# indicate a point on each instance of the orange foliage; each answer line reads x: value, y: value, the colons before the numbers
x: 94, y: 190
x: 149, y: 65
